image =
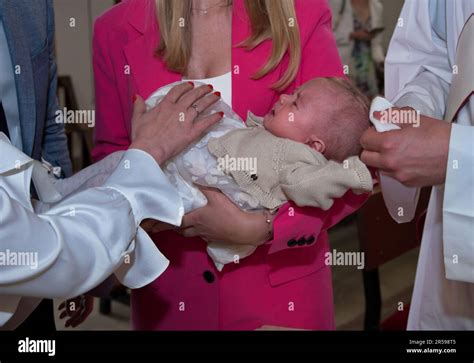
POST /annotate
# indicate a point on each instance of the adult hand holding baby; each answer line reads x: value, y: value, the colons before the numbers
x: 414, y: 155
x: 222, y: 221
x: 168, y: 128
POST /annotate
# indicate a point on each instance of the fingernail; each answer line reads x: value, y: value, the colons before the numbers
x: 217, y: 93
x: 191, y: 83
x: 210, y: 86
x: 221, y: 113
x: 134, y: 98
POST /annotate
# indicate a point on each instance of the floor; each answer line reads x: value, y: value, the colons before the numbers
x: 396, y: 279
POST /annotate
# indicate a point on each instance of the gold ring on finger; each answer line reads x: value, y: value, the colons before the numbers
x: 195, y: 106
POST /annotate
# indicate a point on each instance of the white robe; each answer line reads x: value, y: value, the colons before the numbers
x: 77, y: 237
x: 419, y: 73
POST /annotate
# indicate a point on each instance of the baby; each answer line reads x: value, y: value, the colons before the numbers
x: 298, y: 145
x: 304, y: 150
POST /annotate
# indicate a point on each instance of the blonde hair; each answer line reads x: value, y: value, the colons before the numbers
x: 269, y: 19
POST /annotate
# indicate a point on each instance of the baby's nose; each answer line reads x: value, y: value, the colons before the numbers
x: 283, y: 99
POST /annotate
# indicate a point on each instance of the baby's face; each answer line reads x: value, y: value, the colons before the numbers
x: 295, y: 116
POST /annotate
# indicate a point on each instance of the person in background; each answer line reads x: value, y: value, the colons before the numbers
x: 28, y: 104
x: 358, y: 29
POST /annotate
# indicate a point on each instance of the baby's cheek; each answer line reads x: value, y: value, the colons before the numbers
x: 283, y: 126
x: 286, y: 130
x: 275, y: 126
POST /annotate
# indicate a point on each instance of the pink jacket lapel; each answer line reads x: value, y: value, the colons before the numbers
x: 147, y: 70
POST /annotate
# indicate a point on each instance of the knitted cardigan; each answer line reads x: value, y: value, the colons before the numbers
x: 285, y: 170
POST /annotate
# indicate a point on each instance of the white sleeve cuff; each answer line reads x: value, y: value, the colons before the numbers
x: 139, y: 178
x: 142, y: 263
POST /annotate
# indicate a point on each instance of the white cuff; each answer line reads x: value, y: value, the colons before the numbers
x: 140, y: 179
x: 151, y: 262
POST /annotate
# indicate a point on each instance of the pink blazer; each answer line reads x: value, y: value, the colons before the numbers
x: 289, y: 267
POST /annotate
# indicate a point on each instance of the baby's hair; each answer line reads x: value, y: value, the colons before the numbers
x: 348, y: 120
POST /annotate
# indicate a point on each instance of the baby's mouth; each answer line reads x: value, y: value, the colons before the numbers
x: 272, y: 113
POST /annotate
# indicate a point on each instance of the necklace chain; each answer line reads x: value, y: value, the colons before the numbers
x: 206, y: 10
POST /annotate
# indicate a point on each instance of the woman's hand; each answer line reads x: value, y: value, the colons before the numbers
x: 222, y: 221
x: 361, y: 35
x: 168, y: 128
x: 76, y: 310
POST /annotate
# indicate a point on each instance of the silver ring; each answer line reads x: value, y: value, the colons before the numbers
x: 195, y: 106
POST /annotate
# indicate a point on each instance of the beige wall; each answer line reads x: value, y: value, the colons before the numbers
x: 73, y: 44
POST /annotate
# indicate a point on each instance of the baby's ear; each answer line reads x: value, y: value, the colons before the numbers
x: 316, y: 144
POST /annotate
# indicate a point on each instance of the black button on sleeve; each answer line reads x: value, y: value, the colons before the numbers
x: 292, y: 242
x: 310, y: 240
x: 208, y: 276
x: 301, y: 241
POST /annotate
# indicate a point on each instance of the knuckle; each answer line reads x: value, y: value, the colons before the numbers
x: 387, y: 144
x: 166, y: 103
x: 194, y: 219
x: 203, y: 90
x: 401, y: 176
x: 389, y: 162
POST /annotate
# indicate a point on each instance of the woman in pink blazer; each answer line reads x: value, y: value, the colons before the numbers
x: 285, y: 282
